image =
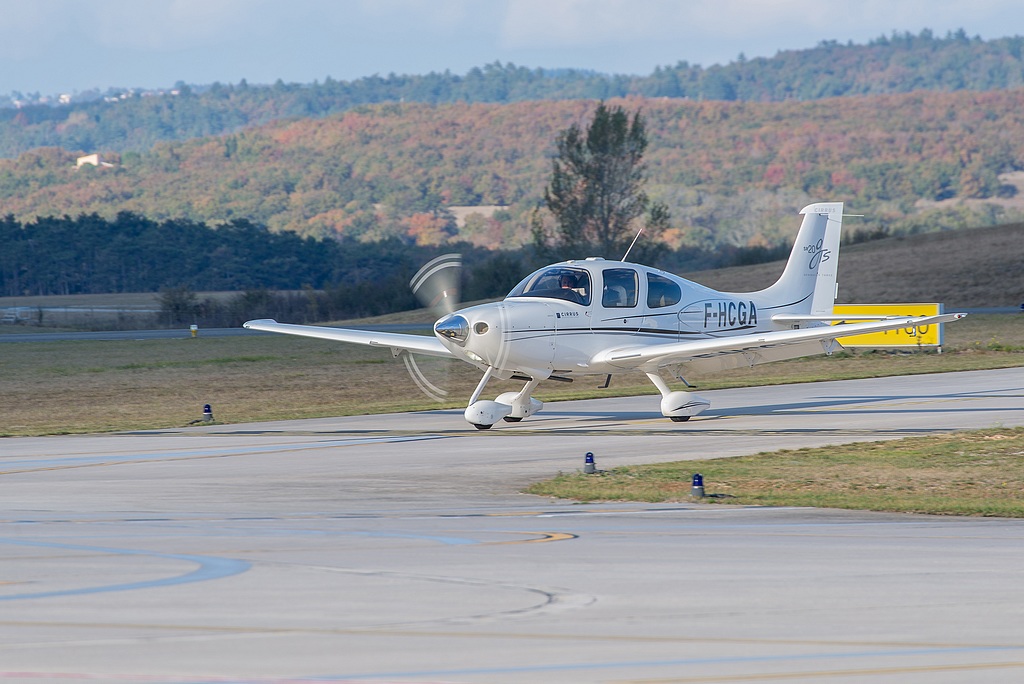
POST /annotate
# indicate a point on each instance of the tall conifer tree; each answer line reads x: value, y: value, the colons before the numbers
x: 596, y: 190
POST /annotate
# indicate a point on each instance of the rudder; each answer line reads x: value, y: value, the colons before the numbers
x: 808, y: 284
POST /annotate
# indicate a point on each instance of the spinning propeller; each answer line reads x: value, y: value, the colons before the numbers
x: 437, y: 286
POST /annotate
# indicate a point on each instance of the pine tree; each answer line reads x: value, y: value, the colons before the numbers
x: 596, y: 191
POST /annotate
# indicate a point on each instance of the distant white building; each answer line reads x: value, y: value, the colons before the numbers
x: 93, y: 159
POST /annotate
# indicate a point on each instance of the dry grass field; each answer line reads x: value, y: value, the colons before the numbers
x: 92, y: 386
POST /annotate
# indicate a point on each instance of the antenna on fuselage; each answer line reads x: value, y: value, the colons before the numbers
x: 630, y: 248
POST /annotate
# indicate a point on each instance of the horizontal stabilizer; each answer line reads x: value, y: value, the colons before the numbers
x: 654, y: 356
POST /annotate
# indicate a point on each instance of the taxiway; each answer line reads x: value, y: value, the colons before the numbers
x: 398, y: 548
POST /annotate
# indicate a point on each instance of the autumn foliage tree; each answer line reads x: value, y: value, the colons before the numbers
x: 429, y: 229
x: 596, y: 191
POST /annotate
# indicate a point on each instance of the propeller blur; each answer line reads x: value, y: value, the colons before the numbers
x: 436, y: 285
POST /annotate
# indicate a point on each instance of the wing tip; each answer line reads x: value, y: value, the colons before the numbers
x: 258, y: 321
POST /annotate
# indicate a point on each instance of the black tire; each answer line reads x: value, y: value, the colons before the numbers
x: 511, y: 419
x: 679, y: 419
x: 478, y: 426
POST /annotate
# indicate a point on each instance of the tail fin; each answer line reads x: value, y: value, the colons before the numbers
x: 808, y: 285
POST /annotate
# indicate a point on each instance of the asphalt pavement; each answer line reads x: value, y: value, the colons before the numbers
x: 399, y: 548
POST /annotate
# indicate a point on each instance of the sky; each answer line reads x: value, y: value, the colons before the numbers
x: 69, y: 46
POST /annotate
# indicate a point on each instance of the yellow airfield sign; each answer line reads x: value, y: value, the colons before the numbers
x: 922, y: 336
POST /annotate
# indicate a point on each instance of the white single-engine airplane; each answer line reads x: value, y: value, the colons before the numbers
x: 598, y: 317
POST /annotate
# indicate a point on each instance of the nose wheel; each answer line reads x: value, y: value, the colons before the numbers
x: 511, y: 407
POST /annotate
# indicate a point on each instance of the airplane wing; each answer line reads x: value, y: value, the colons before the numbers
x: 721, y: 353
x: 420, y: 344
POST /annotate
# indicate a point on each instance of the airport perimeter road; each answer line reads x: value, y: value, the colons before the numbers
x: 174, y: 334
x: 398, y: 549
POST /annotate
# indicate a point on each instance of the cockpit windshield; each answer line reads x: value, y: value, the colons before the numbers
x: 556, y: 282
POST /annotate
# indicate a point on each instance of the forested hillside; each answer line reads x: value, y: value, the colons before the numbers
x: 130, y: 253
x: 341, y: 278
x: 345, y: 279
x: 900, y: 63
x: 732, y: 173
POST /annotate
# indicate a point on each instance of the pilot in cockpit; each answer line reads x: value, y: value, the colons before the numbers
x: 568, y: 283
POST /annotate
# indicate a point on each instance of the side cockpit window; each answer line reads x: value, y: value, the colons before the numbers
x: 556, y: 282
x: 620, y: 288
x: 661, y: 291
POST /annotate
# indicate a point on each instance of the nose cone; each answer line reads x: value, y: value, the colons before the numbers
x: 454, y: 328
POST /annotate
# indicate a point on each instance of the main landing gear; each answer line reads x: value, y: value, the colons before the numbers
x: 679, y: 406
x: 512, y: 407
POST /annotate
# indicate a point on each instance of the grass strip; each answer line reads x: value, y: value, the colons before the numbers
x: 978, y: 473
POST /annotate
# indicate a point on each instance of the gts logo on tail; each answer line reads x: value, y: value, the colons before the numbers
x: 818, y: 254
